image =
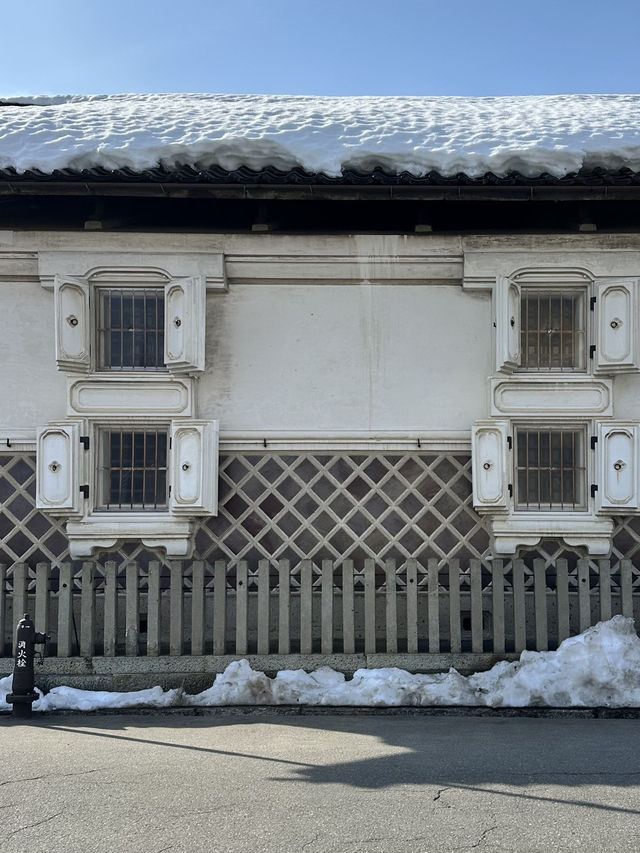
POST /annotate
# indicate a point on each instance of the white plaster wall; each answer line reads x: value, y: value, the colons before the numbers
x: 32, y: 391
x: 346, y: 357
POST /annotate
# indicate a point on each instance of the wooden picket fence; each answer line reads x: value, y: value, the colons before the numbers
x: 309, y: 608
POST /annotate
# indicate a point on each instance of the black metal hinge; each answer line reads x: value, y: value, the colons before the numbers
x: 85, y: 491
x: 509, y: 442
x: 592, y: 350
x: 510, y: 487
x: 592, y: 303
x: 594, y: 441
x: 594, y: 489
x: 84, y: 441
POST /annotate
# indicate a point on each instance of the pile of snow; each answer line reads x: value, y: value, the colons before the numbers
x: 599, y: 668
x: 552, y: 133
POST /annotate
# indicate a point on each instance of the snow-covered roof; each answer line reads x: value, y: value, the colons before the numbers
x: 555, y: 135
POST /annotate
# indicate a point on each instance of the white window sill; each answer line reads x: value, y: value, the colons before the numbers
x: 154, y: 530
x: 519, y: 530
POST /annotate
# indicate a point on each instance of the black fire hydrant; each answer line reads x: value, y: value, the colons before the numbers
x: 23, y: 693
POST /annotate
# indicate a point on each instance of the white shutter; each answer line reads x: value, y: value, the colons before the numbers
x: 73, y: 325
x: 490, y: 465
x: 58, y: 469
x: 194, y: 467
x: 616, y: 337
x: 184, y: 324
x: 507, y: 305
x: 618, y: 467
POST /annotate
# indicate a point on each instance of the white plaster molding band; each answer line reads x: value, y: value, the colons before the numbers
x: 336, y: 269
x: 18, y: 265
x: 13, y: 440
x: 428, y: 442
x: 445, y: 442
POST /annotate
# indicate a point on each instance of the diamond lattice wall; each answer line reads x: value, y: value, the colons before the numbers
x: 322, y: 506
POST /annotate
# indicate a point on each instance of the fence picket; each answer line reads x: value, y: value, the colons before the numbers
x: 626, y: 587
x: 455, y: 631
x: 176, y: 608
x: 284, y: 605
x: 584, y: 595
x: 391, y: 607
x: 497, y: 602
x: 242, y: 610
x: 475, y: 571
x: 348, y: 620
x: 562, y: 598
x: 219, y: 607
x: 41, y: 619
x: 412, y: 605
x: 20, y: 574
x: 306, y: 607
x: 540, y: 596
x: 153, y: 609
x: 604, y: 575
x: 87, y: 610
x: 132, y: 609
x: 369, y: 606
x: 326, y: 643
x: 433, y: 588
x: 263, y: 607
x: 110, y: 608
x: 65, y: 610
x: 3, y: 607
x: 197, y: 608
x: 519, y: 618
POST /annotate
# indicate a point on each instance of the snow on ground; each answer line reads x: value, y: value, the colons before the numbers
x: 599, y: 668
x: 535, y: 134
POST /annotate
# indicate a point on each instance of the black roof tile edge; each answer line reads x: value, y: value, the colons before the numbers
x: 272, y: 176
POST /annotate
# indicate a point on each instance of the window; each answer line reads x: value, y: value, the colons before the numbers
x: 553, y: 329
x: 130, y: 328
x: 132, y: 470
x: 545, y: 323
x: 550, y: 467
x: 143, y: 327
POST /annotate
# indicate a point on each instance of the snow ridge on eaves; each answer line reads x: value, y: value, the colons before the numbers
x: 555, y: 134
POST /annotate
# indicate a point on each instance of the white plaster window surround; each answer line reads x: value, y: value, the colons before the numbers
x: 70, y: 473
x: 82, y: 341
x: 606, y: 482
x: 601, y: 336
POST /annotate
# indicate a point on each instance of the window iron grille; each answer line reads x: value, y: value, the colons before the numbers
x: 130, y: 328
x: 550, y: 469
x: 133, y: 470
x: 553, y: 335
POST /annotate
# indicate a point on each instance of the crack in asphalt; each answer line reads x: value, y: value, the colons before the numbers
x: 484, y: 835
x: 49, y: 775
x: 31, y: 825
x: 441, y: 791
x: 312, y: 841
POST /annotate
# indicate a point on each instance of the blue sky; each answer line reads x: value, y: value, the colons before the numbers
x: 352, y: 47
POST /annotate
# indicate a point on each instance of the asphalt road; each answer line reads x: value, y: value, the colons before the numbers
x: 269, y: 783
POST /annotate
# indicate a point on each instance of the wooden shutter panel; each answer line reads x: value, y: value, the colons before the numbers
x: 194, y: 467
x: 490, y: 465
x: 185, y: 316
x: 618, y: 467
x: 616, y: 326
x: 73, y: 325
x: 58, y: 469
x: 507, y: 305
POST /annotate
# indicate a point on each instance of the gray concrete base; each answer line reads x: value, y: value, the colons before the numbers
x: 196, y: 673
